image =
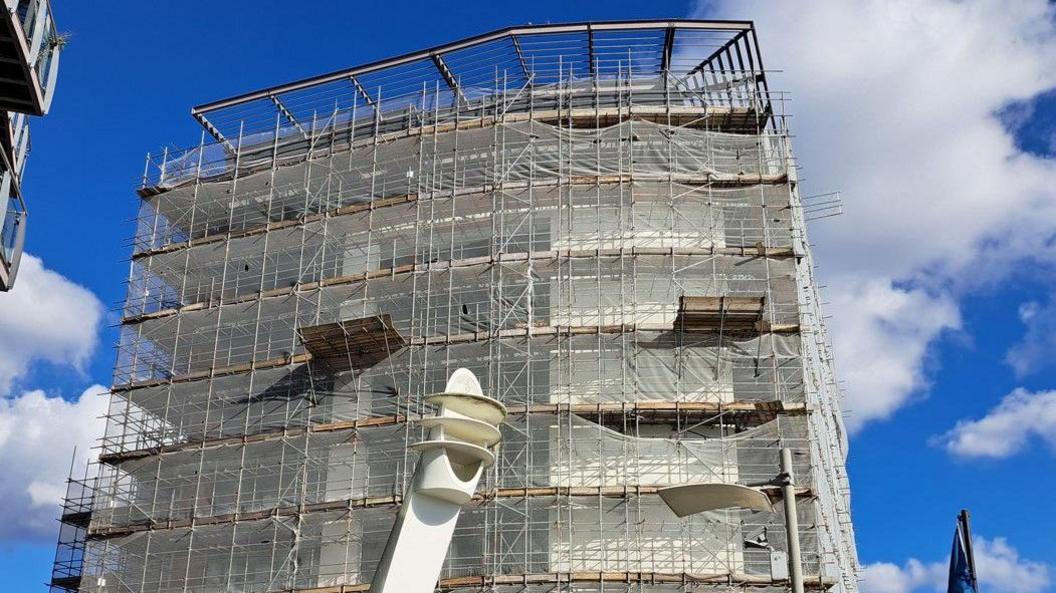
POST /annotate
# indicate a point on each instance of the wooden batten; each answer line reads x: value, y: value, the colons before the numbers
x: 352, y: 344
x: 715, y: 313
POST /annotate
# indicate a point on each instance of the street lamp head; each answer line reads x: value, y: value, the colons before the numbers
x: 690, y: 499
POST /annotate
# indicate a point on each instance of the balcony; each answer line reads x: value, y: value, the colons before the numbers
x: 29, y: 56
x: 12, y: 226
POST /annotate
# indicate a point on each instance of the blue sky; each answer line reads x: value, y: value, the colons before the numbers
x: 133, y: 70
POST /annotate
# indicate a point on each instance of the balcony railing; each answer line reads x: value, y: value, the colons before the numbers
x: 12, y: 231
x: 13, y: 225
x: 31, y: 45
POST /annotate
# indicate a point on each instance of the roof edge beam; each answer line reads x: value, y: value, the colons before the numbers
x: 520, y: 56
x: 590, y: 51
x: 740, y: 26
x: 715, y: 54
x: 288, y: 115
x: 448, y: 77
x: 362, y: 92
x: 214, y: 132
x: 669, y: 43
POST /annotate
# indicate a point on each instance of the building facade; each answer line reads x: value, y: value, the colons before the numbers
x: 601, y: 221
x: 29, y: 60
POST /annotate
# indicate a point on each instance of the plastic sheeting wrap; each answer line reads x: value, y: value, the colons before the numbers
x: 515, y: 153
x: 642, y: 215
x: 600, y: 148
x: 609, y: 290
x: 539, y: 451
x: 581, y: 453
x: 519, y: 371
x: 531, y: 536
x: 283, y: 472
x: 547, y: 258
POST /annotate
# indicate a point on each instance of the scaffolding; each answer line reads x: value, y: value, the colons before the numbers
x: 601, y: 221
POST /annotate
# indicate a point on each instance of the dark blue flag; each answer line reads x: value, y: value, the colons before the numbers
x: 961, y: 578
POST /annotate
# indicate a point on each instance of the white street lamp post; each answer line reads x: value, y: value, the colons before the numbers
x: 460, y: 443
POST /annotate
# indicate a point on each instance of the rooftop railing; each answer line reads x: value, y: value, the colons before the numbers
x: 746, y: 109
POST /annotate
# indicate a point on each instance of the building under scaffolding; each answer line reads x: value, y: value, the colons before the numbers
x: 601, y: 221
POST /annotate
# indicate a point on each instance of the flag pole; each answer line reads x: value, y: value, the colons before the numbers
x: 966, y: 531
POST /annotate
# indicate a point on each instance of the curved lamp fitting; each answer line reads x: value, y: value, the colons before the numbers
x: 457, y: 448
x: 689, y: 499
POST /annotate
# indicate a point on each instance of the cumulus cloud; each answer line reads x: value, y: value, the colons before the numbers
x: 903, y: 106
x: 885, y: 577
x: 1000, y: 567
x: 38, y: 434
x: 1007, y: 428
x: 883, y: 339
x: 1035, y: 350
x: 46, y: 317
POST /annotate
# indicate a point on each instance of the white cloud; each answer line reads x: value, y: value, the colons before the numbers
x: 883, y: 338
x: 896, y: 104
x: 1006, y: 428
x: 1001, y: 570
x: 46, y: 317
x: 38, y: 434
x: 884, y: 577
x: 1035, y: 350
x: 1028, y: 311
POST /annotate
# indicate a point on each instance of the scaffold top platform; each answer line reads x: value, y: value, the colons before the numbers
x: 677, y: 53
